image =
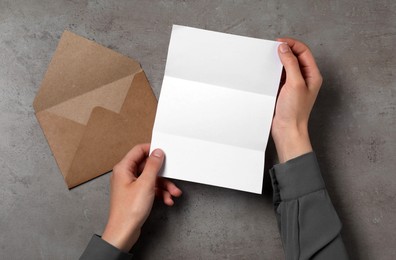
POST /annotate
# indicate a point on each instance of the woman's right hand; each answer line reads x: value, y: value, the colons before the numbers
x: 302, y: 81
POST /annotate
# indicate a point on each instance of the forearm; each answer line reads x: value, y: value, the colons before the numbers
x: 308, y: 222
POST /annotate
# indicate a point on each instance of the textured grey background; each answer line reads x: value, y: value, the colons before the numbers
x: 352, y: 127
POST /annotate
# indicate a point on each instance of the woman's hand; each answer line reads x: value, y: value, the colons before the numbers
x: 301, y: 84
x: 134, y: 184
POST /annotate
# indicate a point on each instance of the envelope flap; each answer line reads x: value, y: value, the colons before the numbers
x: 109, y: 136
x: 79, y: 66
x: 110, y: 96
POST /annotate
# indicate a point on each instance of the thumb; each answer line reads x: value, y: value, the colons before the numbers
x: 153, y: 166
x: 290, y: 62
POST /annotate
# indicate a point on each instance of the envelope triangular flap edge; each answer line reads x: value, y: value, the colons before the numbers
x: 64, y: 124
x: 75, y: 145
x: 110, y: 96
x: 102, y: 135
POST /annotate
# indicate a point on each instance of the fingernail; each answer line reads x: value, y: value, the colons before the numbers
x: 284, y: 48
x: 158, y: 153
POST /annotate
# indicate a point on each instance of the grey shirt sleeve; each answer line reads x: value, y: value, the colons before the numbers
x: 99, y: 249
x: 308, y: 223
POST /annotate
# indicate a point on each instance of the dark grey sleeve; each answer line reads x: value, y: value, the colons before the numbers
x: 308, y: 223
x: 99, y: 249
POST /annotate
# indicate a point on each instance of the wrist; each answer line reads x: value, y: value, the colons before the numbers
x: 120, y: 237
x: 291, y: 141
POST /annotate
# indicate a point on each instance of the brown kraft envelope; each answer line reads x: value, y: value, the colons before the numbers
x: 93, y: 105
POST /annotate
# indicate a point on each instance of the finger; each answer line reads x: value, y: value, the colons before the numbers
x: 152, y: 167
x: 309, y: 69
x: 301, y: 51
x: 141, y: 166
x: 125, y: 170
x: 165, y: 196
x: 290, y: 63
x: 133, y: 158
x: 169, y: 186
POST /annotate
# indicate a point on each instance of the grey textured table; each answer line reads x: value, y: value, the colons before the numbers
x: 352, y: 127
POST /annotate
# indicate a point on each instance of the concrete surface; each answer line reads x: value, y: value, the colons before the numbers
x: 352, y: 127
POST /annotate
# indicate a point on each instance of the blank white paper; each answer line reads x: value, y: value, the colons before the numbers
x: 215, y: 108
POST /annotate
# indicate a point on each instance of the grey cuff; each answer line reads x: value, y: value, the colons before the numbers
x: 297, y: 177
x: 99, y: 249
